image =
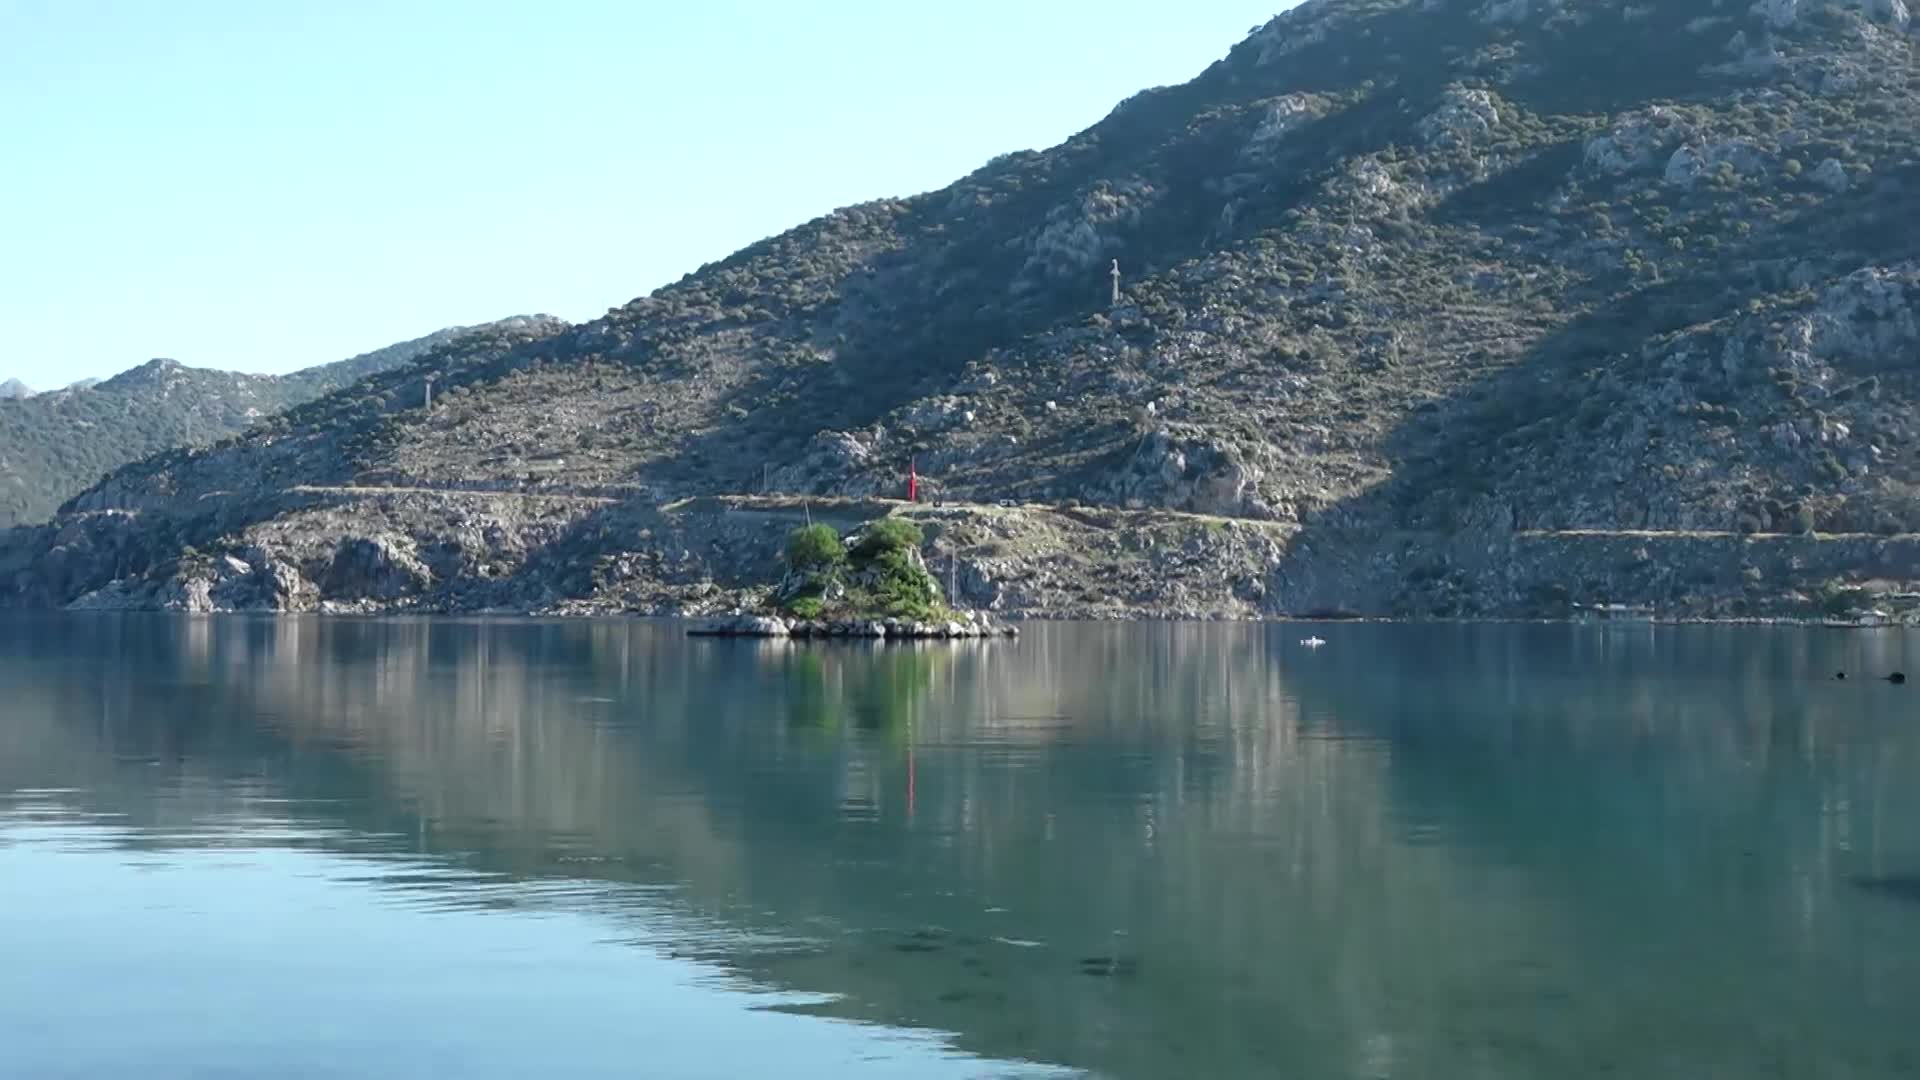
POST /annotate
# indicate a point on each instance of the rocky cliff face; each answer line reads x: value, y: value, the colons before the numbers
x: 1427, y: 308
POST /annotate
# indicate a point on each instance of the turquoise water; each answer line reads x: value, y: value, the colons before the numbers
x: 318, y: 848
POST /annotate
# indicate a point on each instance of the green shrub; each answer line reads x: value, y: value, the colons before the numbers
x: 888, y: 535
x: 806, y: 607
x: 1829, y: 468
x: 1837, y: 600
x: 902, y: 588
x: 815, y: 548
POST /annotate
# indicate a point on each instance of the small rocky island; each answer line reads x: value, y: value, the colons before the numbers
x: 873, y: 584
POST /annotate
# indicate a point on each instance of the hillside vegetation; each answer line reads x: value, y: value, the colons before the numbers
x: 53, y: 445
x: 1428, y: 308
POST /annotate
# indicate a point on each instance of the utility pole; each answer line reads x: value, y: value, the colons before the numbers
x: 429, y: 405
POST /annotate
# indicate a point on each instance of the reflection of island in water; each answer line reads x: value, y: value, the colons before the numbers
x: 1146, y: 850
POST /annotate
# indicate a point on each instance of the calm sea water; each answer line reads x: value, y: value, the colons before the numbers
x: 319, y: 848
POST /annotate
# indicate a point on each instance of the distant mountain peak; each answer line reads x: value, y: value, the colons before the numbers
x: 146, y: 374
x: 55, y: 444
x: 157, y: 365
x: 14, y: 389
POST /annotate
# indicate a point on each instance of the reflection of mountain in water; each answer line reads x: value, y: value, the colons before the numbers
x: 1148, y: 850
x: 1641, y: 742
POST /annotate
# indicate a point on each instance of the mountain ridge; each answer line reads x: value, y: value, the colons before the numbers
x: 53, y: 444
x: 1405, y: 288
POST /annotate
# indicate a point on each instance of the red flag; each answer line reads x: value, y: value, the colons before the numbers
x: 913, y: 481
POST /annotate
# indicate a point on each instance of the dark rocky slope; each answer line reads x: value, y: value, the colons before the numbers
x: 1429, y: 308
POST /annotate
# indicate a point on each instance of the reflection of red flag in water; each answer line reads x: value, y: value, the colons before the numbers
x: 913, y: 482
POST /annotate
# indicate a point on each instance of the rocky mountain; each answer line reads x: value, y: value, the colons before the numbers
x: 53, y: 445
x: 1425, y: 307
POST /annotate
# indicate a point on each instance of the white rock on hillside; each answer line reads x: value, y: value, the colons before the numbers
x: 384, y: 567
x: 935, y: 414
x: 1892, y: 12
x: 1499, y: 12
x: 1868, y: 315
x: 1689, y: 163
x: 1463, y: 116
x: 830, y: 461
x: 1781, y: 14
x: 1188, y: 468
x: 1636, y: 140
x: 1280, y: 118
x: 1077, y: 236
x: 1290, y: 32
x: 1370, y: 179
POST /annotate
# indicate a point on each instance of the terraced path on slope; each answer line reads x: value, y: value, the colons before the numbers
x: 799, y: 506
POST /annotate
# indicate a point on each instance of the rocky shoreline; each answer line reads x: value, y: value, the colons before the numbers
x: 963, y: 626
x: 410, y: 553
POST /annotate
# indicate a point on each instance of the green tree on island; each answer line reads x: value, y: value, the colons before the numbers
x: 880, y: 575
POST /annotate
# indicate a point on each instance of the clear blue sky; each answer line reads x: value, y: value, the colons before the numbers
x: 262, y: 185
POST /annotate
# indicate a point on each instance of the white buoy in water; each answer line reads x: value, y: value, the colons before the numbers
x: 1312, y: 642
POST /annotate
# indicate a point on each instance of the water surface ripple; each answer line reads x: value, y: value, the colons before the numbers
x: 319, y: 848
